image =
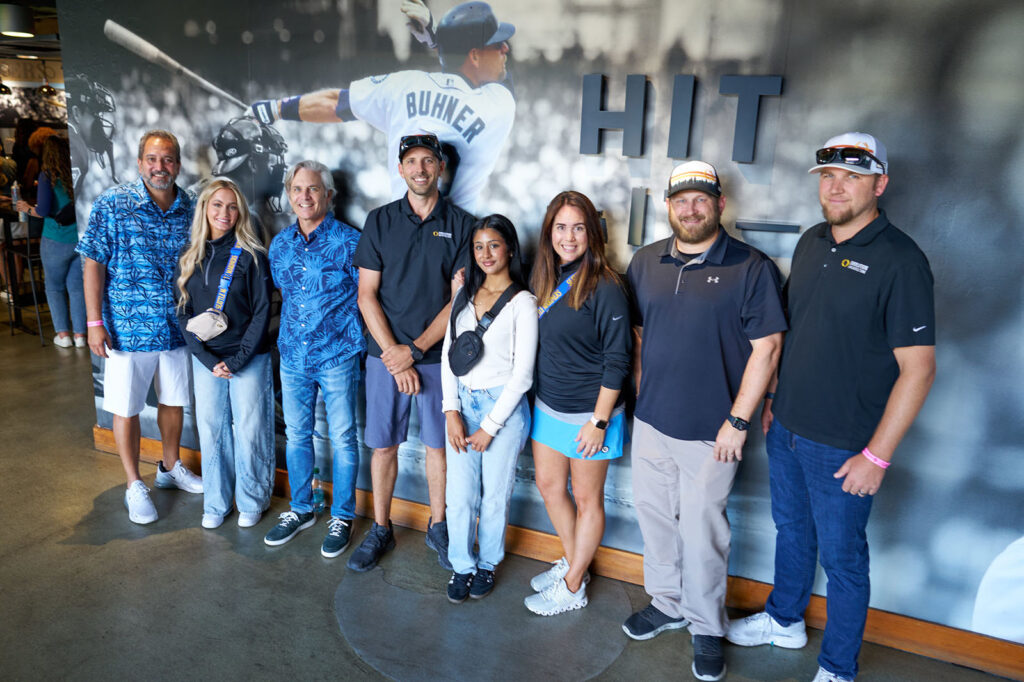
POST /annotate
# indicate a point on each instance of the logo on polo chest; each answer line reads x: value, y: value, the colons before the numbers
x: 446, y: 235
x: 712, y: 280
x: 854, y: 265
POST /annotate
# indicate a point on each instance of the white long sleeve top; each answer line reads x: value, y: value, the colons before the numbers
x: 510, y: 349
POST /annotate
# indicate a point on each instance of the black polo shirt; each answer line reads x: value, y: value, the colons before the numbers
x: 850, y: 304
x: 698, y: 320
x: 416, y: 259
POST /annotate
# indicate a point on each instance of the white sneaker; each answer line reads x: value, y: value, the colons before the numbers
x: 81, y: 342
x: 247, y: 520
x: 825, y: 676
x: 212, y: 521
x: 761, y: 628
x: 63, y: 341
x: 557, y: 599
x: 558, y: 570
x: 179, y: 477
x: 140, y: 507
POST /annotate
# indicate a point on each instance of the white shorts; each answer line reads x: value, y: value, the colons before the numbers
x: 127, y: 376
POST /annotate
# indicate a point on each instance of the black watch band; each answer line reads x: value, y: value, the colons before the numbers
x: 739, y: 424
x: 417, y: 354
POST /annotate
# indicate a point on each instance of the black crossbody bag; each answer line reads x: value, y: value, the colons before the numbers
x: 468, y: 348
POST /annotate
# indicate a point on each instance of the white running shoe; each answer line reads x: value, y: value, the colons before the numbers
x: 825, y: 676
x: 556, y: 599
x: 559, y: 569
x: 140, y: 507
x: 761, y: 628
x: 211, y: 521
x: 178, y: 477
x: 247, y: 520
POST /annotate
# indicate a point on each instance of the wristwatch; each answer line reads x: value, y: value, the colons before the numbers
x: 417, y: 354
x: 599, y: 423
x: 739, y: 424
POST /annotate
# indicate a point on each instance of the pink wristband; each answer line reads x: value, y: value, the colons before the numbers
x: 94, y: 323
x: 875, y: 460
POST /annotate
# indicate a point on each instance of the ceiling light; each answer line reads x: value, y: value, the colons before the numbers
x: 46, y: 90
x: 26, y: 56
x: 16, y: 21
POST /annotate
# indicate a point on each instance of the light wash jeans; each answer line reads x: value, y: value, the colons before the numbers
x: 481, y: 483
x: 339, y: 386
x: 63, y: 269
x: 237, y: 462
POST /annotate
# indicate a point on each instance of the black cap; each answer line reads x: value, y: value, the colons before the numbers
x: 425, y: 140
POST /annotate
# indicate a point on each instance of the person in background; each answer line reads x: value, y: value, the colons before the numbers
x: 231, y: 372
x: 583, y: 360
x: 62, y: 266
x: 488, y: 418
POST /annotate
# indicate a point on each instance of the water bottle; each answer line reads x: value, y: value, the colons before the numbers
x: 318, y: 492
x: 15, y: 198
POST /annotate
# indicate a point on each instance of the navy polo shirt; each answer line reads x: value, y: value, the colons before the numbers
x: 850, y: 304
x: 698, y: 320
x: 416, y: 259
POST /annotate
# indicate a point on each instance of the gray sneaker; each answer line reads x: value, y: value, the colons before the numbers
x: 437, y: 540
x: 651, y: 622
x: 379, y: 539
x: 289, y: 526
x: 708, y: 660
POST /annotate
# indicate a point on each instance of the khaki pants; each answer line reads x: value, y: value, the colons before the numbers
x: 680, y: 493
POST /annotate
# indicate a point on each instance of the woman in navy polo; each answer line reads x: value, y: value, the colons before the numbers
x: 582, y: 362
x: 232, y: 375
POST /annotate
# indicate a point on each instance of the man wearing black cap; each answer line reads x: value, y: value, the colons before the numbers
x: 408, y: 253
x: 469, y: 104
x: 858, y: 364
x: 709, y: 322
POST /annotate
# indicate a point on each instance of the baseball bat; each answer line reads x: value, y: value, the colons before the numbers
x: 151, y: 53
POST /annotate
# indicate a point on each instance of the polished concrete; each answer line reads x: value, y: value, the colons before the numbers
x: 85, y: 594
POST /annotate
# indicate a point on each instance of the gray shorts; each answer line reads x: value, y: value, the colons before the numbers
x: 387, y: 410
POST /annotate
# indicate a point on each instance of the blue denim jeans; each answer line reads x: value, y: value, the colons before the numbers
x: 815, y: 519
x: 480, y: 484
x: 237, y: 462
x: 64, y: 290
x: 339, y: 386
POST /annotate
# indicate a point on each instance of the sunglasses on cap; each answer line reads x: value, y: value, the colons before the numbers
x: 427, y: 141
x: 848, y: 156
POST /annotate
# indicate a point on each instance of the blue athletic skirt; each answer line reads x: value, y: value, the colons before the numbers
x: 558, y: 431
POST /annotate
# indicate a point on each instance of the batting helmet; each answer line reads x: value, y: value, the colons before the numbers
x: 468, y: 26
x: 252, y: 154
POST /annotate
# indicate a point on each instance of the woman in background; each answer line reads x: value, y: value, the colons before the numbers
x: 578, y: 420
x: 61, y: 265
x: 487, y: 416
x: 234, y: 386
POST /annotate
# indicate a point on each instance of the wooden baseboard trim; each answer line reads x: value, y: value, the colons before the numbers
x: 941, y: 642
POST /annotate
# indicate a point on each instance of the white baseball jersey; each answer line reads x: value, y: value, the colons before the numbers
x: 476, y: 121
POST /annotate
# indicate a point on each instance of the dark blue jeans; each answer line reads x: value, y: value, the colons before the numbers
x: 815, y: 519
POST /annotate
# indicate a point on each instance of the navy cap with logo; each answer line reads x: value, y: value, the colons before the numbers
x: 425, y: 140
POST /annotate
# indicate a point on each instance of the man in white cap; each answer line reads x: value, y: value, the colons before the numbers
x: 708, y: 321
x: 858, y: 364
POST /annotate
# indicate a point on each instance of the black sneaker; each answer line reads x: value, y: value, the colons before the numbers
x: 708, y: 661
x: 437, y: 540
x: 651, y: 622
x: 379, y: 539
x: 459, y: 587
x: 288, y: 527
x: 338, y: 533
x: 483, y: 583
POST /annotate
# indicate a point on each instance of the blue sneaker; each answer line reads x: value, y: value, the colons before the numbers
x: 651, y: 622
x: 437, y: 540
x: 483, y: 583
x: 338, y: 533
x: 289, y: 526
x: 708, y: 659
x: 459, y: 586
x: 379, y: 539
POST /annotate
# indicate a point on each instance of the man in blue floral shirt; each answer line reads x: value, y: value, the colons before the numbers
x: 136, y: 233
x: 320, y: 341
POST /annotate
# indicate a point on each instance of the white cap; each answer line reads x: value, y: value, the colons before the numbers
x: 868, y: 143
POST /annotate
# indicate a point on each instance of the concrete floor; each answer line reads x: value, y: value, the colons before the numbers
x: 85, y: 594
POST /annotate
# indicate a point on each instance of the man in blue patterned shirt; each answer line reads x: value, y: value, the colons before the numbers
x: 136, y: 233
x: 320, y: 341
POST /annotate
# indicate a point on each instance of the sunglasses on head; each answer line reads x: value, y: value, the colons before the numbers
x: 848, y: 156
x: 410, y: 141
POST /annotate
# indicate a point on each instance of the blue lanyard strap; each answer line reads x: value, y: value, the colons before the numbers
x: 225, y: 280
x: 557, y: 294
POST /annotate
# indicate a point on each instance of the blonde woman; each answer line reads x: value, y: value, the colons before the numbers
x: 232, y: 372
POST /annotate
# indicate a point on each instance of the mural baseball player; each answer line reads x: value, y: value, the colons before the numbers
x: 469, y: 105
x: 856, y: 368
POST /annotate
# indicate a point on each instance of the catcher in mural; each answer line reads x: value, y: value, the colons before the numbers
x: 469, y: 104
